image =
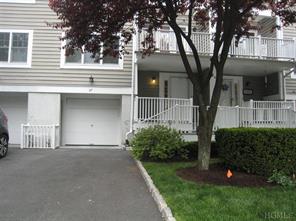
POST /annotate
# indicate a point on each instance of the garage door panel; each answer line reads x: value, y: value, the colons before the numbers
x: 91, y: 121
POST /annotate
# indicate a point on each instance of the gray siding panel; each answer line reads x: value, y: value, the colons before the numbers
x: 46, y: 52
x: 290, y: 85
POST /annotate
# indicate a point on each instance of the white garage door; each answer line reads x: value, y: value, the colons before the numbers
x: 15, y: 107
x: 91, y: 121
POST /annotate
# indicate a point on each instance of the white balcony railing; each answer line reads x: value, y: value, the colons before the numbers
x: 39, y: 136
x: 252, y: 47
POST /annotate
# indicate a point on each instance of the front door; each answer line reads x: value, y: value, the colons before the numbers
x: 179, y: 87
x: 226, y: 98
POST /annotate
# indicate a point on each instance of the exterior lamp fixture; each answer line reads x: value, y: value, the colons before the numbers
x: 153, y: 80
x: 91, y: 79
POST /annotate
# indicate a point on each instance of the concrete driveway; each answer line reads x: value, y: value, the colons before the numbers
x: 73, y: 185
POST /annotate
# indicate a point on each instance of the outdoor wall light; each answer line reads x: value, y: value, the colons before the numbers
x: 153, y: 80
x: 91, y: 79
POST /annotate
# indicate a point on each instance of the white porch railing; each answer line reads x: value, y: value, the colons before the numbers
x: 267, y: 117
x: 151, y: 106
x: 39, y: 136
x: 229, y: 117
x: 185, y: 118
x: 181, y: 117
x: 272, y: 104
x: 252, y: 47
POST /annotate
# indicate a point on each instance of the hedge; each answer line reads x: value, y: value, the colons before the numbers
x: 258, y: 150
x: 160, y: 143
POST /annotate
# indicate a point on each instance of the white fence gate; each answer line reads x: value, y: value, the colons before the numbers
x: 40, y: 136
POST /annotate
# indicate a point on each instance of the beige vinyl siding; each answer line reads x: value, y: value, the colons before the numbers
x: 266, y: 27
x: 290, y: 85
x: 46, y: 54
x: 289, y: 31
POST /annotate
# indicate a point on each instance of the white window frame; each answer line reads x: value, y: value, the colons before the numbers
x: 18, y: 1
x: 9, y: 64
x: 100, y: 66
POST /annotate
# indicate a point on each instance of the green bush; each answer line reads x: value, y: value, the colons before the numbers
x: 258, y: 150
x: 281, y: 179
x: 158, y: 143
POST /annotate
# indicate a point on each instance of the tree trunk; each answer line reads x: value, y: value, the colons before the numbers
x: 204, y: 131
x: 204, y: 142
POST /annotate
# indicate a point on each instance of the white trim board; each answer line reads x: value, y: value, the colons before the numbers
x: 18, y: 1
x: 68, y: 90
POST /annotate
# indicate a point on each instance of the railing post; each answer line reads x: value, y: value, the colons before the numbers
x: 191, y: 101
x: 53, y: 137
x: 294, y: 39
x: 251, y: 103
x: 259, y: 46
x: 22, y: 136
x: 237, y: 116
x: 136, y: 107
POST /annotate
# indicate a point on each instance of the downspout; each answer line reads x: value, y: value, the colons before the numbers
x: 134, y: 73
x: 284, y: 86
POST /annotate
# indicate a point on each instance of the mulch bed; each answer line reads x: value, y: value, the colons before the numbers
x: 217, y: 175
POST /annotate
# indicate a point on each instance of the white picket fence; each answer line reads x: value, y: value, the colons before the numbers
x: 252, y: 47
x: 184, y: 118
x: 39, y: 136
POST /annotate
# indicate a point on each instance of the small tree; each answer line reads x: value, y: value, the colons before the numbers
x: 89, y: 23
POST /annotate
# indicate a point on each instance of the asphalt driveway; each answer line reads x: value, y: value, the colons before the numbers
x: 73, y: 185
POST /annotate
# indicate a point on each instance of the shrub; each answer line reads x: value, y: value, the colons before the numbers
x: 258, y: 150
x: 281, y: 179
x: 158, y: 143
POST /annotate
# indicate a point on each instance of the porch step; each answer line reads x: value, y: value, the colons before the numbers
x: 190, y: 137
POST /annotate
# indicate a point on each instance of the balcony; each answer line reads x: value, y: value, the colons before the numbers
x: 253, y: 47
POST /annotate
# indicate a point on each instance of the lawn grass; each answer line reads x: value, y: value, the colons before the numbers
x: 191, y: 202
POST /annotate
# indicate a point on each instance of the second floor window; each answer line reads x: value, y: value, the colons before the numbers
x: 14, y: 48
x: 85, y: 59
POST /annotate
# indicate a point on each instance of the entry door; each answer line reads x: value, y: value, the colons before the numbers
x: 179, y: 87
x: 91, y: 121
x: 226, y: 98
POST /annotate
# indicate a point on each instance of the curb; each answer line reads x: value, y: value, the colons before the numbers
x: 161, y: 204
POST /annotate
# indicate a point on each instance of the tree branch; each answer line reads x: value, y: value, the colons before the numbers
x: 190, y: 18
